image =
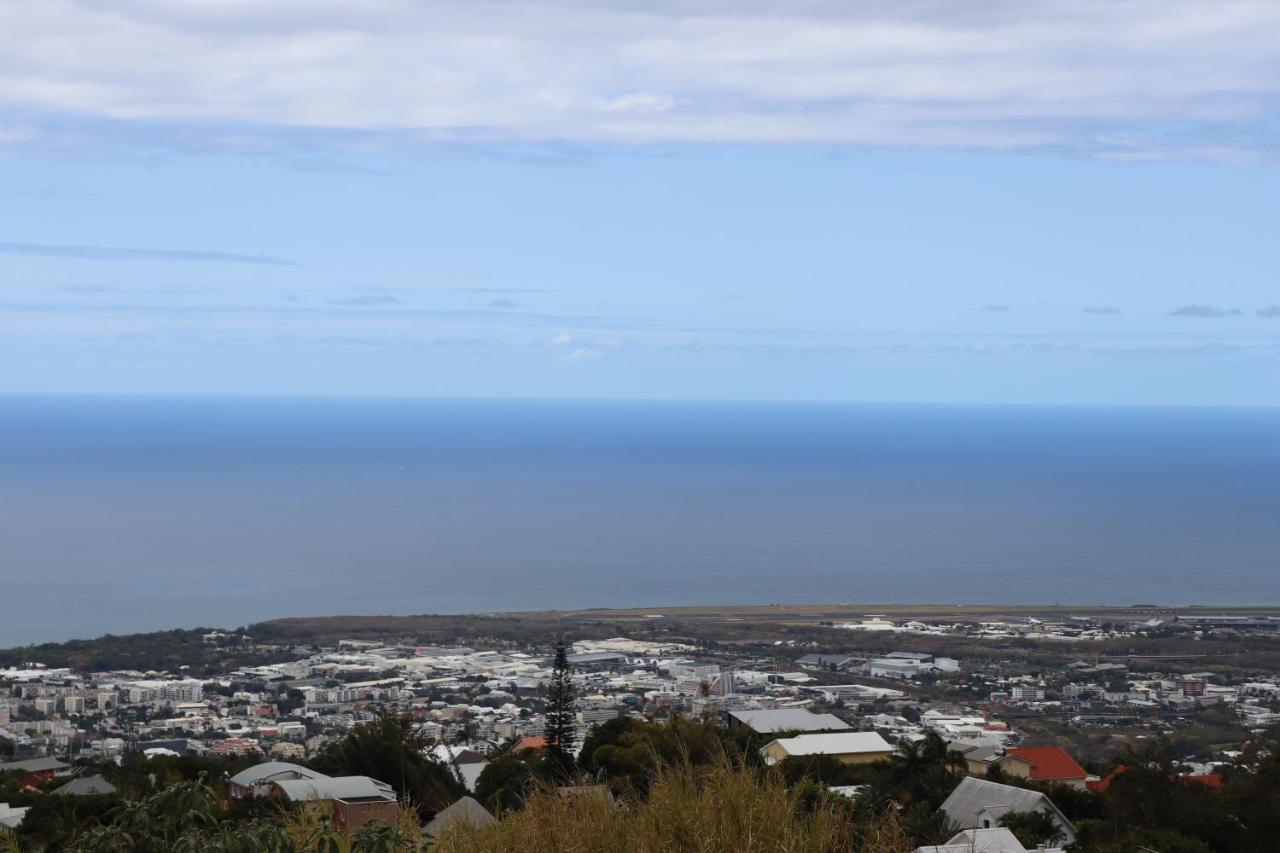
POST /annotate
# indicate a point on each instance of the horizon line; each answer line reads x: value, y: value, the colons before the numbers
x: 424, y: 398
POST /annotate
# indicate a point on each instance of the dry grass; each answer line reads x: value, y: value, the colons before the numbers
x: 722, y: 809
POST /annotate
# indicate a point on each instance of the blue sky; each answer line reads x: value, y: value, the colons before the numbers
x: 1041, y: 202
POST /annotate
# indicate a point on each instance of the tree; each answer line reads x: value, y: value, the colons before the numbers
x: 1033, y: 828
x: 503, y: 783
x: 561, y: 714
x: 392, y: 749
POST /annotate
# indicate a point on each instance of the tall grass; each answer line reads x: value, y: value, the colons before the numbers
x: 718, y: 809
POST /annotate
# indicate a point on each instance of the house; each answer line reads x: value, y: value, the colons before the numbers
x: 256, y: 781
x: 86, y: 786
x: 771, y: 721
x: 44, y: 768
x: 845, y: 747
x: 11, y: 817
x: 354, y: 800
x: 997, y: 840
x: 465, y: 811
x: 978, y: 757
x: 1051, y: 764
x: 355, y: 805
x: 533, y: 743
x: 979, y: 804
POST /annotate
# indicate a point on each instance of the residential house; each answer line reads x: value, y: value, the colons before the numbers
x: 354, y: 800
x: 465, y: 811
x: 980, y: 804
x: 771, y: 721
x: 256, y: 781
x: 998, y: 840
x: 86, y: 786
x: 45, y: 769
x: 11, y: 817
x: 845, y: 747
x: 1050, y: 764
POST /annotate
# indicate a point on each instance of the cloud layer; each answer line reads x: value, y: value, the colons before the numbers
x: 116, y: 253
x: 1142, y: 79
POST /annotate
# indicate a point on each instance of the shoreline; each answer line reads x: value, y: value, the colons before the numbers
x: 810, y: 614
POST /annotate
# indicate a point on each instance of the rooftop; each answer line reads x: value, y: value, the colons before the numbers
x: 788, y: 720
x: 835, y: 743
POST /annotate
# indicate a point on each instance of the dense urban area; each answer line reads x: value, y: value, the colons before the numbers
x: 961, y: 729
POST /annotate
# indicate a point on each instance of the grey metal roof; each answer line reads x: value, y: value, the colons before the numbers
x: 975, y: 799
x: 596, y: 657
x: 466, y: 810
x: 825, y: 660
x: 34, y: 765
x: 335, y: 788
x: 86, y: 786
x: 789, y: 719
x: 271, y: 771
x: 995, y: 840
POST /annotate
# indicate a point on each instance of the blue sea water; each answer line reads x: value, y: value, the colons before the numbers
x: 126, y: 514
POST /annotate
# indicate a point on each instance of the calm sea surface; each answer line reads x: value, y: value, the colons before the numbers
x: 128, y: 514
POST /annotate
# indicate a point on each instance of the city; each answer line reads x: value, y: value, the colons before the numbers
x: 1023, y: 697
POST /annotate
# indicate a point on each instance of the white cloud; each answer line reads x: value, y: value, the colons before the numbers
x: 1144, y: 77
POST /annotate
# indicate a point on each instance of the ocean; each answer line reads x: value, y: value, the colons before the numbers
x: 121, y: 514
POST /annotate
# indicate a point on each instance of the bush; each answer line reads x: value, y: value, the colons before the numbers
x: 719, y: 808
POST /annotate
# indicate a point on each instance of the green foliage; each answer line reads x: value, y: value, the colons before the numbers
x: 159, y: 823
x: 1033, y: 829
x: 923, y: 771
x: 825, y: 769
x: 392, y: 749
x: 628, y: 752
x: 719, y: 808
x: 503, y: 783
x: 561, y: 716
x: 53, y: 822
x: 159, y: 650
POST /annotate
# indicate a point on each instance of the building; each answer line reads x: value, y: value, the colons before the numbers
x: 772, y: 721
x: 597, y: 661
x: 998, y: 840
x: 256, y: 781
x: 979, y: 804
x: 86, y: 786
x: 895, y: 667
x: 1043, y: 764
x: 11, y: 817
x: 845, y: 747
x: 978, y: 757
x: 1192, y: 686
x: 353, y: 800
x: 465, y: 811
x: 1027, y: 693
x: 46, y: 769
x: 817, y: 661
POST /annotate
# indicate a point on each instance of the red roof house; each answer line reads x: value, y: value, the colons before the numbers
x: 1043, y: 764
x: 536, y: 744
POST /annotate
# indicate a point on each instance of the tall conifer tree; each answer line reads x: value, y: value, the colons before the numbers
x: 561, y: 715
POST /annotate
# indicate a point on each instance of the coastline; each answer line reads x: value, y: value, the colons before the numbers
x: 813, y: 614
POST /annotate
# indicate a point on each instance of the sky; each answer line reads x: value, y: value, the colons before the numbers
x: 1010, y: 202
